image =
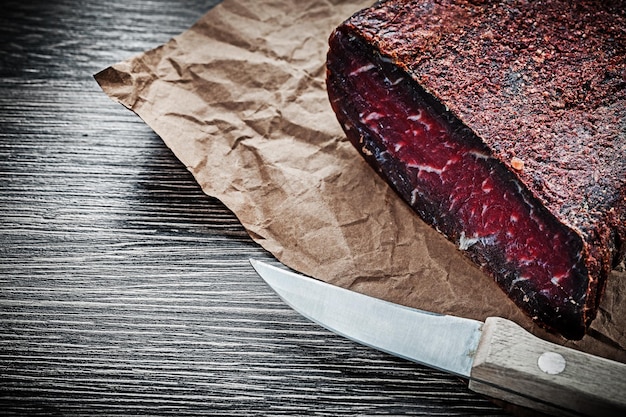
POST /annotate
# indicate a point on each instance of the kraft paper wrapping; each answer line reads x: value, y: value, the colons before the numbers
x: 241, y: 101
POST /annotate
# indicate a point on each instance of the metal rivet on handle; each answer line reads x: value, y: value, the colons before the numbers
x: 551, y: 363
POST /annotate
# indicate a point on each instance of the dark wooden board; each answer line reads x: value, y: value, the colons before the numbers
x: 123, y: 288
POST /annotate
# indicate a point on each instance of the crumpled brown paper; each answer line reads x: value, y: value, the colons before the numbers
x: 240, y: 99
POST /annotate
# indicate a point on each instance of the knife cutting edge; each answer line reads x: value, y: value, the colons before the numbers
x: 500, y: 359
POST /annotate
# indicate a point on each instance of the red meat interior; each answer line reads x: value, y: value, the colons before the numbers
x: 446, y: 170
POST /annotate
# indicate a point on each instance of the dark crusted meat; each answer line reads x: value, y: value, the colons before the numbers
x: 503, y: 124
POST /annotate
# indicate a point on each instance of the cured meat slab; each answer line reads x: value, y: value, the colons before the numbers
x: 503, y: 125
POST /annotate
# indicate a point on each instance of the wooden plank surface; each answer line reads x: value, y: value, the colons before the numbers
x: 123, y: 288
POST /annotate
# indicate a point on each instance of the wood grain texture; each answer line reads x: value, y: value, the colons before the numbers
x: 515, y: 365
x: 123, y: 288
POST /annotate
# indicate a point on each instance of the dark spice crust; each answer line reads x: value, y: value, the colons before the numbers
x: 539, y: 82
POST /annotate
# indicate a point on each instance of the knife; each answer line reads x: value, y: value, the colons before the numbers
x: 500, y: 359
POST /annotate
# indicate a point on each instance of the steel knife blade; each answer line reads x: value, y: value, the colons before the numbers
x: 499, y: 358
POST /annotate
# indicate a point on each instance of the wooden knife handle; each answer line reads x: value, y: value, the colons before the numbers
x: 513, y: 365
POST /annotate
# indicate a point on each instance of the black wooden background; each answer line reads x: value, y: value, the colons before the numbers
x: 124, y: 290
